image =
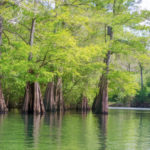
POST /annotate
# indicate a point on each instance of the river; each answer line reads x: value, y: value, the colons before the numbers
x: 122, y: 129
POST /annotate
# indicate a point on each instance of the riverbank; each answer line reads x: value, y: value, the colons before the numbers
x: 138, y: 105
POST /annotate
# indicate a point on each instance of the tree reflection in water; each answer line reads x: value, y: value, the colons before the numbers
x: 32, y: 129
x: 103, y: 119
x: 2, y: 118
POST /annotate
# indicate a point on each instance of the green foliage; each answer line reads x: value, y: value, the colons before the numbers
x: 122, y: 84
x: 71, y: 42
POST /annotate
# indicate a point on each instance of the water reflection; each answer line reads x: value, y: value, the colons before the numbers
x: 84, y: 114
x: 103, y: 119
x: 32, y: 129
x: 125, y: 130
x: 140, y: 126
x: 54, y: 119
x: 74, y: 131
x: 2, y: 118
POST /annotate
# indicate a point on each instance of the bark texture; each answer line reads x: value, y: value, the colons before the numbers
x: 54, y: 96
x: 3, y: 107
x: 59, y: 95
x: 49, y: 100
x: 83, y: 105
x: 33, y: 102
x: 100, y: 105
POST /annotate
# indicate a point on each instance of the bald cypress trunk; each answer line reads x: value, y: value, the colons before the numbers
x: 54, y: 96
x: 49, y: 100
x: 3, y: 107
x: 59, y: 95
x: 33, y: 102
x: 83, y: 105
x: 100, y: 104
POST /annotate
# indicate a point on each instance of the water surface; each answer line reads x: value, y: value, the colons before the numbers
x: 120, y: 130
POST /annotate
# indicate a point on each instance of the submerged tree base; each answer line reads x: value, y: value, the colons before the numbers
x: 33, y: 102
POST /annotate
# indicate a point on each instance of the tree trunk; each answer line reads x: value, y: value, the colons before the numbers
x: 54, y: 96
x: 59, y: 95
x: 141, y: 74
x: 33, y: 102
x: 3, y: 107
x: 49, y: 100
x: 100, y: 105
x: 32, y: 32
x: 83, y: 106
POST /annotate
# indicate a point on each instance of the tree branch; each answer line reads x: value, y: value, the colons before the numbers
x: 7, y: 37
x: 17, y: 35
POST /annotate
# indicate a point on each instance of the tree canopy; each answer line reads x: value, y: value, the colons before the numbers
x: 71, y: 42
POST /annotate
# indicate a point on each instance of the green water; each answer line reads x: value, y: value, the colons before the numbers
x: 120, y: 130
